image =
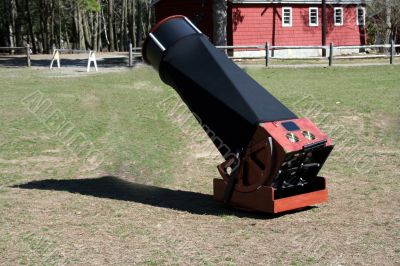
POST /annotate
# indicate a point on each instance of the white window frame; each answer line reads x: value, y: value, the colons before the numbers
x: 309, y: 17
x: 358, y: 15
x: 283, y: 17
x: 335, y: 16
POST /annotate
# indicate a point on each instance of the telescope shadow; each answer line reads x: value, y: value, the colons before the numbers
x: 111, y: 187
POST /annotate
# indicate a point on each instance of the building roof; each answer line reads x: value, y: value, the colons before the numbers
x: 338, y: 2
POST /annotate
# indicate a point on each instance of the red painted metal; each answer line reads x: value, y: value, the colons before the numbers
x: 263, y: 199
x: 271, y: 153
x: 278, y: 133
x: 155, y: 27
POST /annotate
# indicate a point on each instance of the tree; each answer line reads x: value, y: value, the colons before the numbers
x: 384, y: 21
x: 77, y: 24
x: 219, y: 18
x: 111, y: 24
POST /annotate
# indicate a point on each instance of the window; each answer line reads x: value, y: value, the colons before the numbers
x: 338, y: 16
x: 361, y: 16
x: 313, y: 16
x: 286, y: 16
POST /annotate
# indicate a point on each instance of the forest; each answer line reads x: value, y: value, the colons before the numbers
x: 111, y: 25
x: 101, y: 25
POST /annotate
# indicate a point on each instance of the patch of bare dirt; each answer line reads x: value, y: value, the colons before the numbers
x: 90, y: 101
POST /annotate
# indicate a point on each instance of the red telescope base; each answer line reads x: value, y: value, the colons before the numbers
x: 267, y: 199
x: 278, y: 170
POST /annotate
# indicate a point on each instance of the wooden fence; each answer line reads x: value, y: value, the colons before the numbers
x: 135, y: 52
x: 330, y: 58
x: 27, y: 50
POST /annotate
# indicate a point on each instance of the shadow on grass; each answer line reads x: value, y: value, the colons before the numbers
x: 112, y: 187
x: 106, y: 62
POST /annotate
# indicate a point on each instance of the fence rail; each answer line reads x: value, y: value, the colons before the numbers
x: 330, y: 58
x: 78, y: 51
x: 266, y: 48
x: 11, y: 48
x: 133, y: 52
x: 27, y: 52
x: 241, y: 47
x: 297, y: 47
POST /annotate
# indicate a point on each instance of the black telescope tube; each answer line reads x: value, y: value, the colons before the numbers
x: 227, y: 102
x: 168, y: 32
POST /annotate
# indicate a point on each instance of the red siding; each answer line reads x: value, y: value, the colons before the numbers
x: 198, y: 11
x: 256, y: 24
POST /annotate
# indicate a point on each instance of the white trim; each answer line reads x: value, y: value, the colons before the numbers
x: 283, y: 16
x: 309, y: 17
x: 335, y: 17
x: 153, y: 2
x: 363, y: 9
x: 192, y: 25
x: 157, y: 42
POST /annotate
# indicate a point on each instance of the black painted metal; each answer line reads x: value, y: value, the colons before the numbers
x: 226, y: 101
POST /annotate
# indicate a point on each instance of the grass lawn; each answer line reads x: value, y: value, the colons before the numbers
x: 321, y: 62
x: 148, y: 201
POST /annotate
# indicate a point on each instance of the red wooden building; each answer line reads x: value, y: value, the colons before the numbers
x: 279, y: 22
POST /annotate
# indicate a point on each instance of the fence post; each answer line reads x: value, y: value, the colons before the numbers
x: 130, y: 64
x: 266, y: 54
x: 28, y: 55
x: 391, y: 52
x: 331, y: 54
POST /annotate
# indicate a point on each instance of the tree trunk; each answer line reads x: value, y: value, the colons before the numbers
x: 95, y: 32
x: 18, y: 25
x: 139, y: 24
x: 81, y: 32
x: 5, y: 39
x: 99, y: 30
x: 388, y: 22
x: 30, y: 26
x: 219, y: 18
x: 86, y: 26
x: 80, y: 38
x: 52, y: 32
x: 13, y: 41
x: 123, y: 29
x: 105, y: 28
x: 111, y: 24
x: 131, y: 22
x: 44, y: 15
x: 59, y: 35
